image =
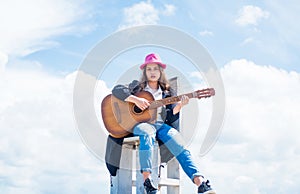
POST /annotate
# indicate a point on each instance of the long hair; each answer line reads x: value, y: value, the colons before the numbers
x: 162, y: 81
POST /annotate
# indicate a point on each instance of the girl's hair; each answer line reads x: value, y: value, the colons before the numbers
x: 162, y: 81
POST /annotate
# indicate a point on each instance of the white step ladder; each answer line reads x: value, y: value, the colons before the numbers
x: 129, y: 176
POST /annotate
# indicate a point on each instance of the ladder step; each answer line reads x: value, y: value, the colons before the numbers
x: 169, y: 182
x: 131, y: 141
x: 164, y: 182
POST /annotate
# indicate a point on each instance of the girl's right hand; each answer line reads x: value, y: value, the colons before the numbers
x: 142, y: 103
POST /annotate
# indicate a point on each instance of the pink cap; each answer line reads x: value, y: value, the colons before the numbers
x: 153, y: 58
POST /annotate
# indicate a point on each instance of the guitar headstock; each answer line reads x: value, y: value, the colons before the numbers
x: 205, y: 93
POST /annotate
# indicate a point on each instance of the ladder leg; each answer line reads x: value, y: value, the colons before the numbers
x: 123, y: 180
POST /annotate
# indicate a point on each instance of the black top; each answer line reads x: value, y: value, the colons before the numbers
x: 122, y: 92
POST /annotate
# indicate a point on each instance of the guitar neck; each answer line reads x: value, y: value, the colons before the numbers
x: 170, y: 100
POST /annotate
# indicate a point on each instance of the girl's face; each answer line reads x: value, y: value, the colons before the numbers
x: 153, y: 72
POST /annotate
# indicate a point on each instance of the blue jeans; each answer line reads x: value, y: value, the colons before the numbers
x: 171, y: 139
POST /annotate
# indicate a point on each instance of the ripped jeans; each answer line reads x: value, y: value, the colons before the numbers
x: 171, y: 139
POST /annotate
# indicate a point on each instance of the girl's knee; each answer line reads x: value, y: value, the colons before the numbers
x: 144, y: 129
x: 167, y: 132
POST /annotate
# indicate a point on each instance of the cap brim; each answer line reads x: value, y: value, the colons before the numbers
x: 160, y: 64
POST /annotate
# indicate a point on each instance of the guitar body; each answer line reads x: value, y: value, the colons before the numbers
x: 120, y: 117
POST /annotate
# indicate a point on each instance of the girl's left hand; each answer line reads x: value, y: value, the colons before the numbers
x: 184, y: 100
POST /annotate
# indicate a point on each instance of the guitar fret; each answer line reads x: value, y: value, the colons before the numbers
x: 194, y: 94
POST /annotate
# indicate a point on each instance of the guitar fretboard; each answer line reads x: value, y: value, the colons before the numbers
x: 170, y: 100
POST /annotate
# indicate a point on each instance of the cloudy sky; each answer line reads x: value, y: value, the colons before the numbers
x: 255, y: 45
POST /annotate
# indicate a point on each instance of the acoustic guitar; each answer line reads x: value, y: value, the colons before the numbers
x: 120, y: 117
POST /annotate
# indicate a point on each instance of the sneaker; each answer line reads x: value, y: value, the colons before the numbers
x: 205, y: 188
x: 149, y: 186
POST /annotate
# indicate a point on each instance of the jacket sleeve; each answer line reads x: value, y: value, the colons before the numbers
x: 122, y: 92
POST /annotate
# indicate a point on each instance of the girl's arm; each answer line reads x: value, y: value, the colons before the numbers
x: 122, y: 92
x: 180, y: 104
x: 127, y: 94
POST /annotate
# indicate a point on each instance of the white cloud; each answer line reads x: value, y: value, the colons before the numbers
x: 206, y: 33
x: 259, y: 140
x: 28, y: 25
x: 248, y: 41
x: 144, y: 13
x: 169, y: 10
x: 3, y: 61
x: 40, y: 149
x: 139, y: 14
x: 251, y: 15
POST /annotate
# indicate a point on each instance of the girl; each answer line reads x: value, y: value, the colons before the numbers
x: 154, y: 81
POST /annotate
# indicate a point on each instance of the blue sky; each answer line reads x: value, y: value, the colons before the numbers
x: 223, y: 28
x: 255, y: 45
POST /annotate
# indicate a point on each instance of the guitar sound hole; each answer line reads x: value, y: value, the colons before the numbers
x: 137, y: 110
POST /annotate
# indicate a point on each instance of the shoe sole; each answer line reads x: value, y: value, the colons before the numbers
x: 153, y: 192
x: 210, y: 192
